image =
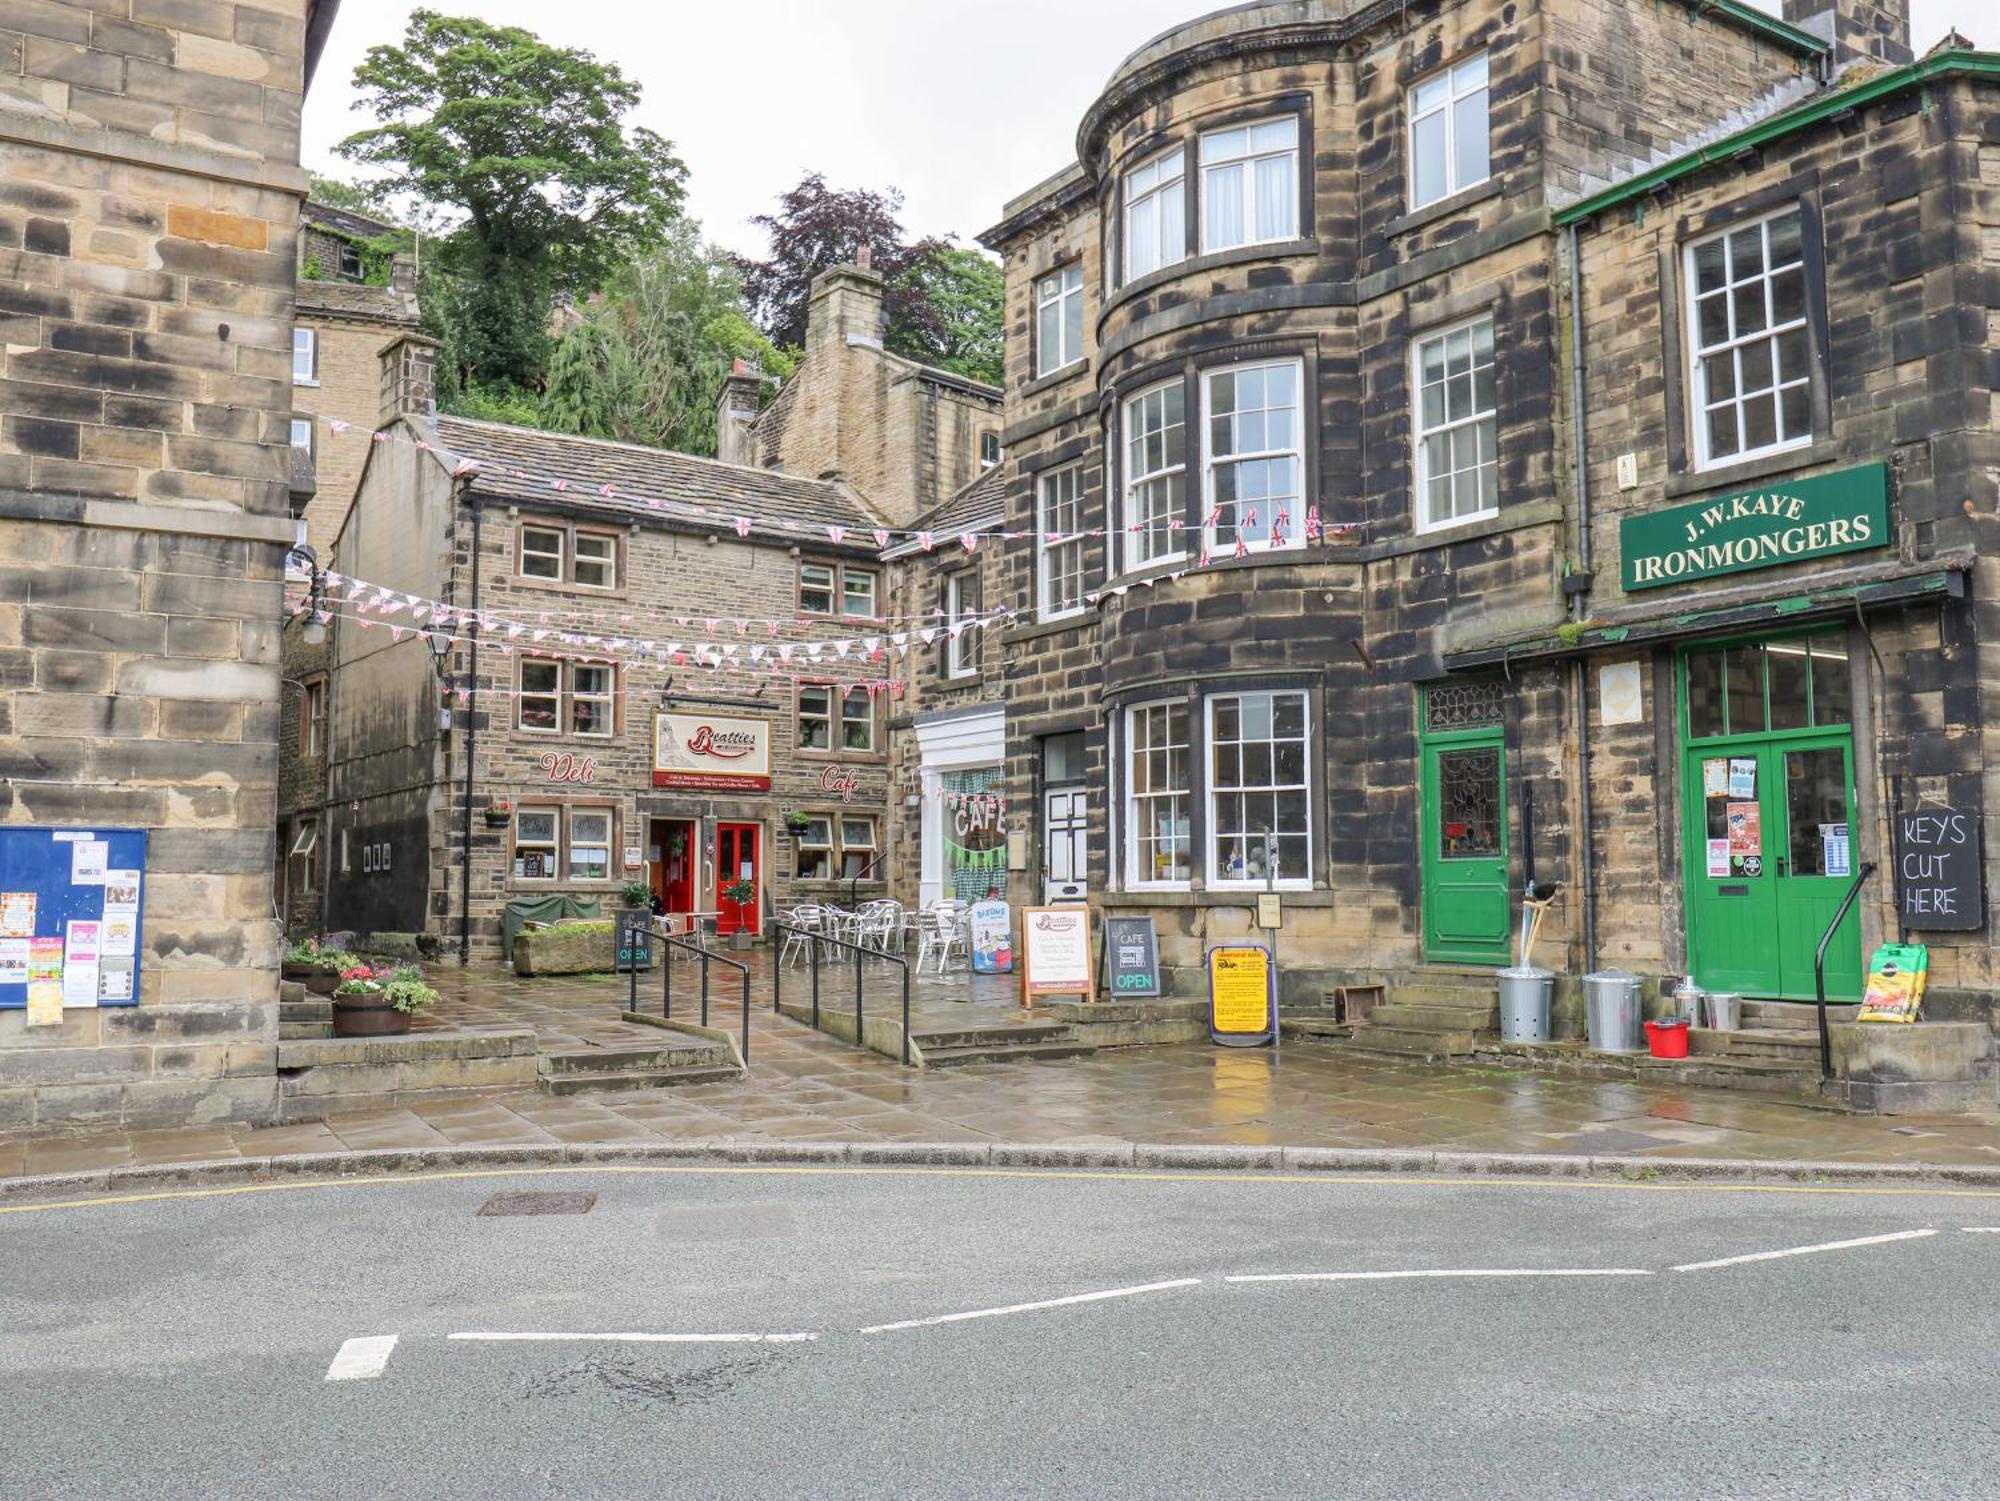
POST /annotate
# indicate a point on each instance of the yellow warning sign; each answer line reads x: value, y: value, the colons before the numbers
x: 1239, y: 991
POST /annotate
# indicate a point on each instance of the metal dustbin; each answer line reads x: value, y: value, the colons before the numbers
x: 1526, y: 995
x: 1725, y: 1010
x: 1613, y: 1017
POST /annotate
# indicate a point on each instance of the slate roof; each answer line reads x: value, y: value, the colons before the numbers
x: 978, y: 506
x: 343, y: 221
x: 517, y: 463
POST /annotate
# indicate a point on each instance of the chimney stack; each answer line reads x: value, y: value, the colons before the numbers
x: 846, y: 307
x: 736, y: 414
x: 409, y: 378
x: 1861, y: 31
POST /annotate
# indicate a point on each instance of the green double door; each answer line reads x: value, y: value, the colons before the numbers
x: 1769, y: 817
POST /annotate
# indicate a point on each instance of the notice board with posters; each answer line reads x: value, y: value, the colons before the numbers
x: 1940, y: 877
x: 70, y: 933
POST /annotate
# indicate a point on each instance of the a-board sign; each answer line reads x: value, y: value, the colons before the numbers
x: 1940, y: 887
x: 1131, y: 957
x: 992, y: 937
x: 70, y: 930
x: 1242, y: 996
x: 1055, y: 952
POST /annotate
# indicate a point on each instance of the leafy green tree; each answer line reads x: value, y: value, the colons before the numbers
x: 526, y: 142
x: 967, y: 295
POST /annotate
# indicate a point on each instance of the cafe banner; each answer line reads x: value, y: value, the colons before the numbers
x: 1784, y: 522
x: 711, y: 753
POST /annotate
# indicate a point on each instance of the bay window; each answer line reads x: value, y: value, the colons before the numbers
x: 1155, y: 473
x: 1059, y: 543
x: 1259, y: 790
x: 1457, y: 426
x: 1058, y: 323
x: 1250, y: 184
x: 1158, y: 837
x: 1748, y: 338
x: 1253, y: 470
x: 1156, y: 214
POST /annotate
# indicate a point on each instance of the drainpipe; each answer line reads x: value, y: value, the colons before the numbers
x: 1585, y: 866
x: 471, y: 745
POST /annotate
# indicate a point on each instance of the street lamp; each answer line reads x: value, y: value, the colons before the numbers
x: 438, y: 639
x: 302, y: 561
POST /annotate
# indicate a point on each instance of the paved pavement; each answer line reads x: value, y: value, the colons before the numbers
x: 968, y: 1335
x: 807, y: 1087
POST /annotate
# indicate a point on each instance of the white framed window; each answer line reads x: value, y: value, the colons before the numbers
x: 302, y: 435
x: 837, y: 845
x: 989, y: 450
x: 1456, y: 426
x: 816, y: 586
x: 961, y: 641
x: 595, y: 565
x: 815, y: 731
x: 1450, y: 132
x: 1059, y: 543
x: 1253, y: 472
x: 538, y: 704
x: 592, y: 696
x: 312, y: 717
x: 858, y: 844
x: 815, y: 848
x: 350, y: 261
x: 857, y: 592
x: 535, y: 847
x: 1159, y: 847
x: 1748, y: 339
x: 821, y: 704
x: 1058, y: 323
x: 1155, y: 473
x: 305, y: 850
x: 1250, y: 184
x: 543, y: 551
x: 1156, y: 214
x: 857, y: 720
x: 590, y: 844
x: 1259, y: 793
x: 581, y: 697
x: 305, y: 357
x: 836, y: 589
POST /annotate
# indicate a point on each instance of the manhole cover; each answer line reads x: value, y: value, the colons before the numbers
x: 538, y: 1203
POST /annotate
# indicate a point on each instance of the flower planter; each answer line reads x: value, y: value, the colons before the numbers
x: 322, y: 981
x: 367, y: 1016
x: 589, y: 951
x: 498, y: 816
x: 1668, y: 1039
x: 293, y: 971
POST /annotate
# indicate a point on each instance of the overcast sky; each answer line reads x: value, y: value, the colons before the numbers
x: 960, y: 103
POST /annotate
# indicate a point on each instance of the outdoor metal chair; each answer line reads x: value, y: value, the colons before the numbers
x: 941, y: 931
x: 800, y: 922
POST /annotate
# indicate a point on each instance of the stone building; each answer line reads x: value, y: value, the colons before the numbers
x: 1290, y: 425
x: 356, y: 296
x: 148, y: 212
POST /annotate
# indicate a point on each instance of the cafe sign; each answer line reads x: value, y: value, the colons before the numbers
x: 1787, y: 522
x: 711, y: 753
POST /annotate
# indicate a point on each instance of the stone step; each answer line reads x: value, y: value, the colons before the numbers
x: 582, y: 1082
x: 1444, y: 977
x: 957, y: 1057
x: 1424, y: 1016
x: 299, y: 1031
x: 1799, y: 1015
x: 1002, y: 1036
x: 315, y: 1009
x: 695, y: 1053
x: 1315, y: 1026
x: 1403, y: 1042
x: 291, y: 990
x: 1777, y: 1042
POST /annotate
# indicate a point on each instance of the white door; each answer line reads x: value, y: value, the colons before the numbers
x: 1065, y: 867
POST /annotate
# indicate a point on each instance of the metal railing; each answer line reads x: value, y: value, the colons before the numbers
x: 861, y: 952
x: 649, y: 935
x: 1819, y: 968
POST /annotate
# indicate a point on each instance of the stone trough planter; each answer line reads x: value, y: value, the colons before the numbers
x: 550, y: 951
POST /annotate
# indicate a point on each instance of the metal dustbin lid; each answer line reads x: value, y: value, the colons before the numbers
x: 1529, y: 972
x: 1610, y: 974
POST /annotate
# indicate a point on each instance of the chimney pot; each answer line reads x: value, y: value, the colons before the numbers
x: 866, y: 260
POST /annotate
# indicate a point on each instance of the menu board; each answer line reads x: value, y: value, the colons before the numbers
x: 1132, y: 955
x: 1055, y: 952
x: 70, y: 926
x: 1242, y: 996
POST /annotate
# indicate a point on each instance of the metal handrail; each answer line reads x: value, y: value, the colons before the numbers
x: 861, y: 951
x: 1819, y: 969
x: 668, y: 940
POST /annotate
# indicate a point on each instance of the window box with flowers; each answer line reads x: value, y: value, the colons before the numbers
x: 499, y: 811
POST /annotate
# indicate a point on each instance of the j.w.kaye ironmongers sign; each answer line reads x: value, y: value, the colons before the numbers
x: 1784, y: 522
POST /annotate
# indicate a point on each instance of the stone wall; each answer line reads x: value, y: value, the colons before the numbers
x: 148, y: 209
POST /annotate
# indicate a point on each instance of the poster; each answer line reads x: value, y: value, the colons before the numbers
x: 1746, y: 833
x: 114, y: 979
x: 13, y: 961
x: 1742, y: 777
x: 1834, y: 858
x: 80, y: 955
x: 1239, y: 993
x: 121, y: 934
x: 121, y: 891
x: 88, y: 860
x: 1715, y: 777
x: 45, y: 1003
x: 45, y: 959
x: 1718, y: 858
x: 17, y: 914
x: 992, y: 938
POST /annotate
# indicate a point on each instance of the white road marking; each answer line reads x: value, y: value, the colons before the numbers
x: 1981, y: 1229
x: 362, y: 1359
x: 1832, y: 1245
x: 993, y: 1313
x: 638, y: 1339
x: 1589, y: 1271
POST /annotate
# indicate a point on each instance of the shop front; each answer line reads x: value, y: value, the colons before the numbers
x: 964, y: 825
x: 706, y: 855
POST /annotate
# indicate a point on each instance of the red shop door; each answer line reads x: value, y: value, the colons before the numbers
x: 736, y: 859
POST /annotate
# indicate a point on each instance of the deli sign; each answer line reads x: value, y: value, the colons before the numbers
x: 1847, y: 511
x: 711, y: 753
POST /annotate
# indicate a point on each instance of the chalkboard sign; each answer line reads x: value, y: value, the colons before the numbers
x: 1131, y: 956
x: 1940, y: 887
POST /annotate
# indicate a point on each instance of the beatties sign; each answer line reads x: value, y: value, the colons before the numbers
x: 711, y: 753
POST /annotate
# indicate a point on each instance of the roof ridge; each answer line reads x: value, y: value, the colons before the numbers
x: 645, y: 449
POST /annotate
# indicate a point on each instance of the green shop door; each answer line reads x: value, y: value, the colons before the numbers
x: 1768, y: 774
x: 1464, y: 860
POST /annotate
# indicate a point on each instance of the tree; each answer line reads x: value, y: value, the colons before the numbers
x: 966, y: 293
x: 525, y: 141
x: 356, y: 197
x: 647, y: 362
x: 816, y: 228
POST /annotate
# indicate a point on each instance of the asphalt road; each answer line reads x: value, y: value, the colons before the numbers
x: 183, y: 1346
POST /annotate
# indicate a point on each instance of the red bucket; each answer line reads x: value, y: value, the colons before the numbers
x: 1667, y: 1039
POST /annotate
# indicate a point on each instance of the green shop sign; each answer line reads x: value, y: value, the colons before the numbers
x: 1781, y: 523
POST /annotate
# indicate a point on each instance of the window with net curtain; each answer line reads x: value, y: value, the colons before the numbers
x: 1250, y: 184
x: 1260, y: 798
x: 1156, y: 214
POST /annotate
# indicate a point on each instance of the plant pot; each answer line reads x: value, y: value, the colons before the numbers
x: 742, y: 940
x: 323, y: 981
x: 1668, y: 1039
x: 292, y: 971
x: 497, y: 816
x: 367, y: 1016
